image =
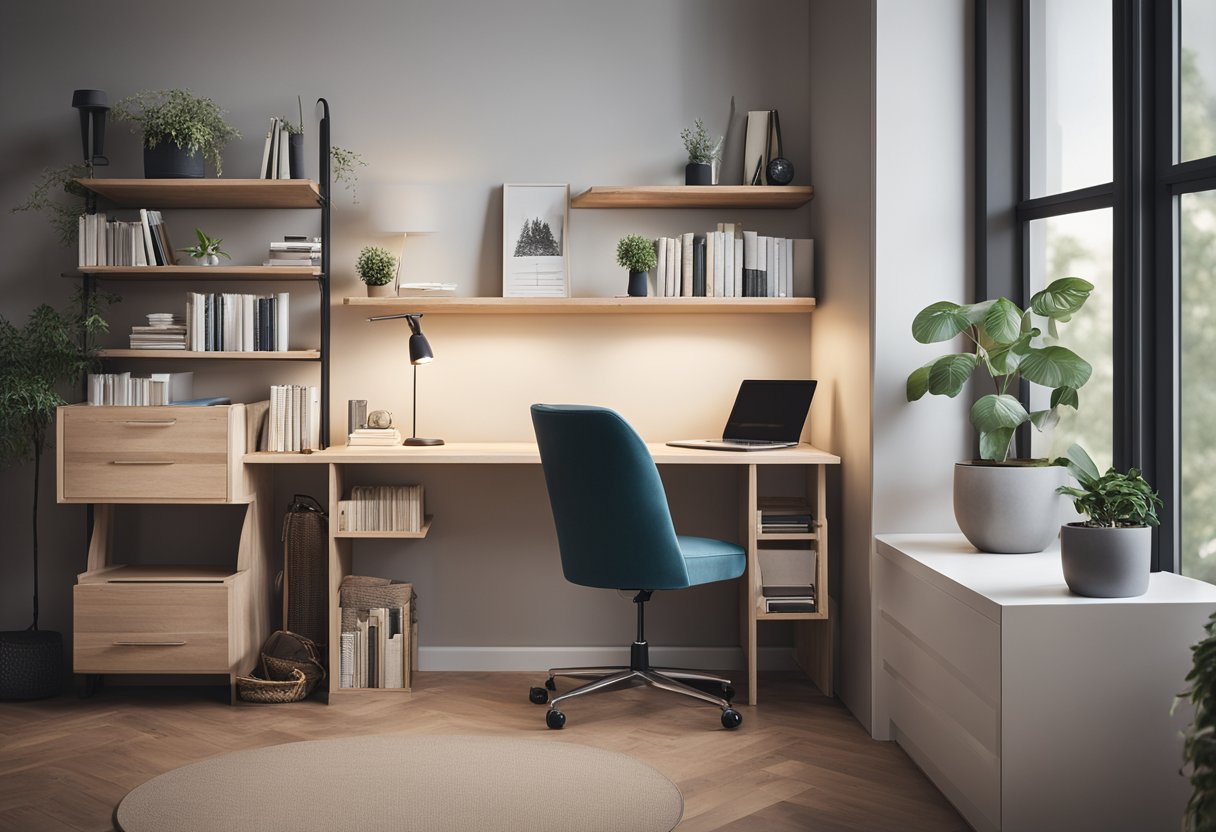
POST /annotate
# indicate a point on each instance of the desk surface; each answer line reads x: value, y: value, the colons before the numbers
x: 526, y: 453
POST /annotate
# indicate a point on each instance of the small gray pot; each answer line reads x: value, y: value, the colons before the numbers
x: 1008, y: 509
x: 1104, y: 562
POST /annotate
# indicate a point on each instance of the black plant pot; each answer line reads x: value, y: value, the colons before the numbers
x: 168, y: 161
x: 698, y: 173
x: 295, y: 155
x: 31, y: 664
x: 637, y: 284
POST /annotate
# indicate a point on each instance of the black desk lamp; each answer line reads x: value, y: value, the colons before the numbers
x: 420, y: 353
x: 93, y: 106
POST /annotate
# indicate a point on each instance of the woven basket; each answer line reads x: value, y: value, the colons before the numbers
x: 279, y: 670
x: 362, y: 596
x: 305, y: 547
x: 253, y: 689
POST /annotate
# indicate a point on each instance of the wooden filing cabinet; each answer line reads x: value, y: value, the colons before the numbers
x: 166, y: 619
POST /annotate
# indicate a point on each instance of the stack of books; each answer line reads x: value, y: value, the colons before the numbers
x: 225, y: 322
x: 295, y: 250
x: 276, y: 160
x: 124, y: 389
x: 374, y: 437
x: 426, y: 290
x: 731, y: 262
x: 294, y: 423
x: 382, y: 508
x: 165, y: 331
x: 105, y: 242
x: 377, y: 651
x: 779, y: 515
x: 787, y: 579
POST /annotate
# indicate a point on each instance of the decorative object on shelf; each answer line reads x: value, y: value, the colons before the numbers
x: 399, y: 208
x: 344, y: 166
x: 1197, y: 749
x: 779, y: 170
x: 64, y: 214
x: 93, y: 106
x: 380, y: 419
x: 377, y: 268
x: 295, y: 143
x: 54, y: 349
x: 420, y: 353
x: 636, y: 253
x: 535, y: 257
x: 207, y: 251
x: 356, y: 414
x: 1001, y: 505
x: 702, y: 153
x: 1110, y: 554
x: 759, y: 125
x: 181, y: 131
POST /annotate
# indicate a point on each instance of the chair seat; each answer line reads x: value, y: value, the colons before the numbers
x: 710, y: 560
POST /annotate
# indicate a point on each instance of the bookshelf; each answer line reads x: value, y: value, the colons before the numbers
x: 694, y: 196
x: 587, y: 306
x: 190, y: 355
x: 168, y: 274
x: 210, y: 193
x: 388, y: 535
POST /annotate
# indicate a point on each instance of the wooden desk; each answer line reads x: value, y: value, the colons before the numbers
x: 814, y: 629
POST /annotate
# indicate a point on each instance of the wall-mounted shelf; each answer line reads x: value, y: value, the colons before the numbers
x: 694, y: 196
x: 209, y: 273
x: 586, y: 306
x: 206, y: 193
x: 265, y: 355
x: 387, y: 535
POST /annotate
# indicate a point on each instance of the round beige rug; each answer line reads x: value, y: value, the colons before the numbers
x: 408, y: 784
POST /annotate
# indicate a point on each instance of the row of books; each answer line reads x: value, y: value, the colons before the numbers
x: 294, y: 423
x: 731, y: 262
x: 787, y: 579
x: 374, y: 437
x: 377, y: 652
x: 154, y: 389
x: 382, y: 508
x: 295, y: 250
x: 164, y: 331
x: 276, y: 160
x: 228, y: 322
x: 104, y: 242
x: 778, y: 515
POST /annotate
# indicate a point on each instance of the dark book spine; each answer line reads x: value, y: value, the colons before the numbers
x: 272, y: 311
x: 157, y: 249
x: 751, y: 277
x: 372, y: 642
x: 698, y: 267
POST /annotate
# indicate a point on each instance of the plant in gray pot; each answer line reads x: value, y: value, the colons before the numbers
x: 181, y: 131
x: 1110, y: 554
x: 636, y: 253
x: 702, y: 151
x: 1003, y: 505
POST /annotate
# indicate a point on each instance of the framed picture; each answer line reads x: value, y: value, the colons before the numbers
x: 535, y: 254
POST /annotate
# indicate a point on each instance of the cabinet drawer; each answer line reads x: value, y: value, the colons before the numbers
x: 156, y: 454
x: 151, y: 628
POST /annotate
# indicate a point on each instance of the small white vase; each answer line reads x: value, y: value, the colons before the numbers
x: 207, y: 260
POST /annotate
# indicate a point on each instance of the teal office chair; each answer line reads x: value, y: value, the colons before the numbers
x: 614, y: 531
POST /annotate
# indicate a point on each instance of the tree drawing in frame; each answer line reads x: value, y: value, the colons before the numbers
x: 535, y: 260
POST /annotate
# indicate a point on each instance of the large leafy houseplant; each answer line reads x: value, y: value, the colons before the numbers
x: 1005, y: 345
x: 179, y: 117
x: 50, y: 353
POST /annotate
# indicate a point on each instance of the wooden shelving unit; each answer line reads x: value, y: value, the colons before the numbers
x: 206, y: 193
x: 587, y: 306
x: 694, y: 196
x: 207, y: 273
x: 418, y: 535
x: 268, y: 355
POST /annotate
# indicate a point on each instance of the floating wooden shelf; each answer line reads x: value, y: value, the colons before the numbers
x: 423, y: 532
x: 206, y: 193
x: 789, y: 616
x: 586, y: 306
x: 694, y: 196
x: 170, y: 273
x: 289, y: 355
x: 787, y: 536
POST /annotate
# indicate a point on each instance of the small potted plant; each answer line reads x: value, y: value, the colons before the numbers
x: 181, y: 131
x: 207, y: 251
x: 1110, y: 554
x: 702, y: 153
x: 636, y: 253
x: 377, y: 267
x: 1004, y: 505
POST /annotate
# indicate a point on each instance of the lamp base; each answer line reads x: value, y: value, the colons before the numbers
x: 414, y: 440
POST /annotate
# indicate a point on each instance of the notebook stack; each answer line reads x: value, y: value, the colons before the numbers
x: 295, y: 250
x: 374, y: 437
x: 785, y: 516
x: 165, y: 331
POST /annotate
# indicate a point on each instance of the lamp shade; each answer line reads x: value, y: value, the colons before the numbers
x: 400, y: 208
x: 420, y: 349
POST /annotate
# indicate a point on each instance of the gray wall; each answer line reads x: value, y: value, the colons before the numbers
x: 465, y: 95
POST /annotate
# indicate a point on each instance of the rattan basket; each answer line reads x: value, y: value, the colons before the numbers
x: 253, y: 689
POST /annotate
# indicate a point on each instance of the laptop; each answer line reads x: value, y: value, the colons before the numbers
x: 767, y: 415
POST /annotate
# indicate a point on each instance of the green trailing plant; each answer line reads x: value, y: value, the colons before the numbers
x: 1004, y: 343
x: 702, y: 150
x: 192, y: 123
x: 50, y: 353
x: 206, y: 246
x: 636, y: 253
x: 376, y: 266
x: 61, y: 197
x: 1112, y: 499
x: 1199, y: 739
x: 296, y: 129
x: 344, y: 165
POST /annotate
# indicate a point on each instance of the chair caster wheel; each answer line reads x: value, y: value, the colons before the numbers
x: 538, y: 696
x: 550, y: 684
x: 728, y: 692
x: 555, y: 719
x: 731, y: 719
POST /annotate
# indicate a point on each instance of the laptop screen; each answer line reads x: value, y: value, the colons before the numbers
x: 771, y: 411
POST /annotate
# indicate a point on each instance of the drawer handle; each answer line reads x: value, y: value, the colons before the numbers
x: 149, y: 644
x: 142, y: 461
x: 152, y: 423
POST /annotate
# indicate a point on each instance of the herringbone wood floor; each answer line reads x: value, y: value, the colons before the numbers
x: 799, y: 762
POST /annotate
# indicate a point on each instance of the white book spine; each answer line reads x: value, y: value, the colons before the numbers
x: 709, y: 264
x: 265, y: 169
x: 738, y: 288
x: 284, y: 156
x: 661, y: 268
x: 282, y: 321
x: 686, y: 247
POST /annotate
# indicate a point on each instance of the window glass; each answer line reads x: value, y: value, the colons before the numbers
x: 1197, y: 79
x: 1071, y: 113
x: 1079, y: 245
x: 1197, y: 217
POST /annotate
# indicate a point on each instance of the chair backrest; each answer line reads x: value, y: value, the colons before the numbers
x: 614, y: 528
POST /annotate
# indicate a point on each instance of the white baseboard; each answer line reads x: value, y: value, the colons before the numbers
x: 543, y: 658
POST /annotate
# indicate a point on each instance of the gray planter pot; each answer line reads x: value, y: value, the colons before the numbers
x: 1102, y: 562
x: 1008, y: 509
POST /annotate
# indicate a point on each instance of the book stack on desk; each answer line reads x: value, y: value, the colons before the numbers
x: 373, y: 437
x: 787, y: 579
